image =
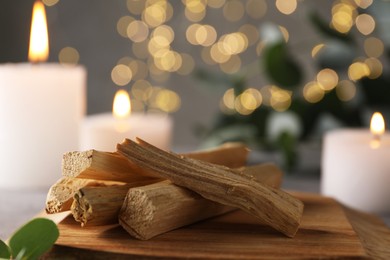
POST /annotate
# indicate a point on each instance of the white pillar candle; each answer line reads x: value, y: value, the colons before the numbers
x: 356, y: 169
x: 41, y: 107
x: 103, y: 132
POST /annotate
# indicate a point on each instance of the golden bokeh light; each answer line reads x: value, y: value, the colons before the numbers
x: 375, y: 66
x: 164, y: 31
x: 137, y: 31
x: 284, y: 31
x: 233, y: 65
x: 216, y: 3
x: 233, y: 10
x: 256, y: 8
x: 135, y: 6
x: 280, y: 99
x: 194, y: 17
x: 188, y: 64
x: 233, y: 43
x: 365, y: 24
x: 286, y: 6
x: 168, y: 101
x: 358, y: 70
x: 316, y: 49
x: 191, y: 33
x: 50, y: 2
x: 218, y: 53
x: 69, y: 56
x: 154, y: 15
x: 195, y: 6
x: 141, y: 90
x: 373, y: 47
x: 122, y: 24
x: 205, y: 35
x: 260, y: 47
x: 228, y: 99
x: 251, y: 33
x: 313, y: 92
x: 363, y: 3
x: 327, y: 79
x: 343, y: 16
x: 346, y: 90
x: 251, y: 99
x: 121, y: 75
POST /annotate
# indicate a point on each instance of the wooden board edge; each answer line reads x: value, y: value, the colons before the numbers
x: 372, y: 232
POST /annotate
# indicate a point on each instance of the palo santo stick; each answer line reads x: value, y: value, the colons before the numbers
x: 154, y: 209
x: 220, y: 184
x: 60, y: 195
x: 232, y: 155
x: 99, y: 165
x: 100, y: 205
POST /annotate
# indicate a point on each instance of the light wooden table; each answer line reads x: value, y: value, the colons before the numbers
x: 17, y: 207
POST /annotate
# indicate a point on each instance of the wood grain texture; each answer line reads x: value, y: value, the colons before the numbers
x: 219, y: 184
x: 326, y: 233
x: 154, y: 209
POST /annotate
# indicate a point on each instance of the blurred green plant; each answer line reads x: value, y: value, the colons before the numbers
x: 31, y: 240
x: 281, y: 69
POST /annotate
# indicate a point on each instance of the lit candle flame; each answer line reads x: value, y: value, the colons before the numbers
x: 121, y: 107
x: 39, y: 39
x: 377, y: 126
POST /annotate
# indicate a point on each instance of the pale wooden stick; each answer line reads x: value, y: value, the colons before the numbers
x: 101, y: 205
x: 231, y: 155
x: 60, y: 195
x: 99, y: 165
x: 154, y: 209
x: 275, y: 208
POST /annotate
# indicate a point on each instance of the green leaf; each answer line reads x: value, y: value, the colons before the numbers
x: 280, y: 67
x: 35, y: 238
x: 4, y: 250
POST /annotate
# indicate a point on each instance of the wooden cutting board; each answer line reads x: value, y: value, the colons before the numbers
x: 328, y: 230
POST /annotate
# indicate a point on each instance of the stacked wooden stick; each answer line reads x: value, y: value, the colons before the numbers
x: 149, y: 191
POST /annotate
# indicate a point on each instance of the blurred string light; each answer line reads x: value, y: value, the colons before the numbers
x: 154, y: 57
x: 373, y: 47
x: 50, y: 2
x: 68, y: 56
x: 365, y: 24
x: 316, y: 49
x: 286, y: 6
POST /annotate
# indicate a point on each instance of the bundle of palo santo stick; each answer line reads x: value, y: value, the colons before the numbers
x: 149, y: 191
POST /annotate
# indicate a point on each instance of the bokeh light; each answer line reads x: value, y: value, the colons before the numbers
x: 122, y: 25
x: 286, y: 6
x: 375, y: 66
x: 121, y: 75
x: 313, y: 92
x: 233, y: 65
x: 216, y: 3
x: 68, y: 56
x: 50, y: 2
x: 346, y: 90
x: 280, y: 98
x: 135, y: 7
x: 256, y: 8
x: 343, y: 16
x: 233, y: 10
x: 358, y: 70
x: 365, y: 24
x: 188, y: 64
x: 137, y: 31
x: 316, y: 49
x: 327, y: 79
x: 373, y: 47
